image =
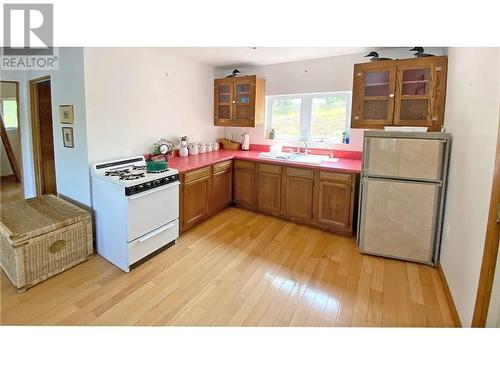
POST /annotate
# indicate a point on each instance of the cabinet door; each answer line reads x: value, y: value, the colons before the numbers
x: 420, y: 93
x: 373, y: 94
x: 298, y: 187
x: 222, y: 189
x: 196, y: 201
x: 244, y: 101
x: 223, y: 101
x: 334, y: 205
x: 269, y: 192
x: 244, y: 187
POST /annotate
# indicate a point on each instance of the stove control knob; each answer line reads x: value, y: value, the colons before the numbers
x: 140, y: 187
x: 156, y: 182
x: 172, y: 178
x: 148, y: 184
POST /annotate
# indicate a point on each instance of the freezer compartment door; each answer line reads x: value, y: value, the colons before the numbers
x: 398, y: 219
x: 416, y: 159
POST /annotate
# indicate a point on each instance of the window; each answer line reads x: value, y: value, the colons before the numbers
x: 9, y: 113
x: 316, y: 116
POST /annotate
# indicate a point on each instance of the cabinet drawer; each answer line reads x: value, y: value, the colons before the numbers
x: 224, y: 166
x: 243, y: 164
x: 341, y: 177
x: 196, y: 174
x: 270, y: 168
x: 300, y: 172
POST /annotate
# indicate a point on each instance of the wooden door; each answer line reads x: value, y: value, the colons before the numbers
x: 244, y: 183
x: 420, y: 92
x: 196, y: 198
x: 45, y: 154
x: 244, y: 101
x: 335, y: 201
x: 222, y: 185
x: 373, y: 94
x: 223, y: 101
x: 298, y: 188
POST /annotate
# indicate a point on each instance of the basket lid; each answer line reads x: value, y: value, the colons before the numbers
x: 33, y: 217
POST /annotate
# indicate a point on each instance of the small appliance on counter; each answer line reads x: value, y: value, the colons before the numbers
x: 245, y: 146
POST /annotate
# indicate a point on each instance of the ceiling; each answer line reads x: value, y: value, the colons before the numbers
x: 224, y: 57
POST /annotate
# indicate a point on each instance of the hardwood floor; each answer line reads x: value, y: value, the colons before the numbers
x: 10, y: 191
x: 239, y: 268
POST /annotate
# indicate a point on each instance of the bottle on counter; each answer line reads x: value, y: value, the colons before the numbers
x: 271, y: 134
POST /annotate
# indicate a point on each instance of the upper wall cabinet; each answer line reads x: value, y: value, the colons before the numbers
x: 239, y: 101
x: 409, y: 92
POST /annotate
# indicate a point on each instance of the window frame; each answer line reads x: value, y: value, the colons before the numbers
x: 306, y: 113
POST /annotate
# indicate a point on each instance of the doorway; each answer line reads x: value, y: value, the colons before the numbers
x: 43, y: 139
x: 10, y: 147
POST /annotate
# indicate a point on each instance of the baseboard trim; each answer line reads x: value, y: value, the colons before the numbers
x: 449, y: 298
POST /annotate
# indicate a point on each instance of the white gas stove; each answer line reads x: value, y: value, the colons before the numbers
x: 136, y: 212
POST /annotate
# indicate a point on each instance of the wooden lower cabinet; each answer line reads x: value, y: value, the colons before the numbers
x: 298, y: 191
x: 269, y: 188
x: 204, y: 192
x: 306, y: 195
x: 335, y: 201
x: 222, y: 185
x: 244, y: 184
x: 196, y: 199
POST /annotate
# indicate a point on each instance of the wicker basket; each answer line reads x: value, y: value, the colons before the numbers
x: 228, y: 144
x: 41, y: 237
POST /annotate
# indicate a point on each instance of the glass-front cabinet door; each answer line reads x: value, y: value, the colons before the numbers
x: 375, y: 91
x: 420, y: 93
x: 223, y: 95
x: 244, y: 101
x: 414, y: 89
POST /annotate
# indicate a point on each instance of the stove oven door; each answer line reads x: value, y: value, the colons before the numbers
x: 152, y: 209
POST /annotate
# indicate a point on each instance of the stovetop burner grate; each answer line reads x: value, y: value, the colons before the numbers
x: 133, y: 176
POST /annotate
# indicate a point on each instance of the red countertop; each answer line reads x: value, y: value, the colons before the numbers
x: 192, y: 162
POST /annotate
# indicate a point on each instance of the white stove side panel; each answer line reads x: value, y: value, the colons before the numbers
x: 110, y: 213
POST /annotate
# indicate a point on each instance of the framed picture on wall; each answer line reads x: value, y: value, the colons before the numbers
x: 68, y: 140
x: 66, y: 114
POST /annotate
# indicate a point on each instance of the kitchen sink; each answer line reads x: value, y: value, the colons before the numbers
x: 296, y: 157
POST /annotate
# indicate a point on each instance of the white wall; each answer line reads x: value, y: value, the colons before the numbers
x: 472, y: 115
x: 318, y: 75
x: 131, y: 102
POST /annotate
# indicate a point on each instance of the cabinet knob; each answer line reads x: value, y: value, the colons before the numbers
x: 391, y: 95
x: 356, y: 117
x: 234, y: 101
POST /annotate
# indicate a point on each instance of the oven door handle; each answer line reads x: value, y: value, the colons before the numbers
x: 156, y: 232
x: 155, y: 190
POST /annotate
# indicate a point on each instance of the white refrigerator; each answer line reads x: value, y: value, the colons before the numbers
x: 403, y: 185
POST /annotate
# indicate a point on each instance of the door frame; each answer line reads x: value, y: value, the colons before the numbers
x: 490, y: 253
x: 35, y: 130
